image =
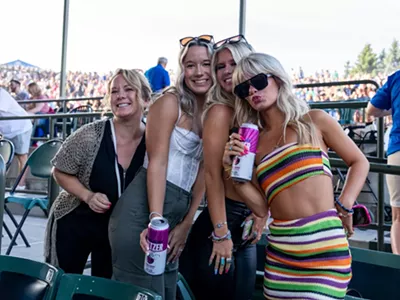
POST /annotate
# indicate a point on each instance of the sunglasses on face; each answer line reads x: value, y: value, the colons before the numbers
x: 204, y: 38
x: 259, y: 82
x: 231, y: 40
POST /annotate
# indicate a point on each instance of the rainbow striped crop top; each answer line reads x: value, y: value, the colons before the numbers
x: 289, y: 165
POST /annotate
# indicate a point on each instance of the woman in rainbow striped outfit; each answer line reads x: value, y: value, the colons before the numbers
x: 308, y: 255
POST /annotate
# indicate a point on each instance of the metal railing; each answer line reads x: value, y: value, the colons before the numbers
x: 59, y: 100
x: 2, y: 194
x: 380, y: 144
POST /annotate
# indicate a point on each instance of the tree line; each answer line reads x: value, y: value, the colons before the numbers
x: 368, y: 62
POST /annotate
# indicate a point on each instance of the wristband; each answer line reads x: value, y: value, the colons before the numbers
x: 349, y: 211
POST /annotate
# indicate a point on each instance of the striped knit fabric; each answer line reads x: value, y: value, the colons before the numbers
x: 289, y: 165
x: 307, y: 258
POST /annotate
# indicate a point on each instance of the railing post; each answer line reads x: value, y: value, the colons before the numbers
x: 381, y: 187
x: 64, y: 60
x: 242, y: 17
x: 51, y: 125
x: 2, y: 192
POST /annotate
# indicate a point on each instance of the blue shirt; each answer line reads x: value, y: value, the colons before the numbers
x: 388, y: 97
x: 158, y: 78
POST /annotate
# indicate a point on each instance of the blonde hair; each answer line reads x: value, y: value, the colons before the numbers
x: 136, y: 80
x: 34, y: 89
x: 187, y: 100
x: 295, y: 110
x: 217, y: 95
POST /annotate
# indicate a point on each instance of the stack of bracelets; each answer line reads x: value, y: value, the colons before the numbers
x: 218, y: 239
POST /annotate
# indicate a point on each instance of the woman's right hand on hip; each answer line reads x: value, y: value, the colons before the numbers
x: 98, y: 202
x: 222, y: 253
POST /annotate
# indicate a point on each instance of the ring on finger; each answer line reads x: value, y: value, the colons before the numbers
x: 222, y: 261
x: 229, y: 260
x: 230, y: 148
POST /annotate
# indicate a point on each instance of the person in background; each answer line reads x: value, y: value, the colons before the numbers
x: 94, y: 166
x: 171, y: 182
x: 158, y: 76
x: 36, y: 94
x: 15, y: 88
x: 386, y: 102
x: 19, y: 132
x: 235, y: 259
x: 307, y: 233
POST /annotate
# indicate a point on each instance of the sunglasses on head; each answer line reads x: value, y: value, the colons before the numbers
x: 204, y: 38
x: 259, y: 82
x: 231, y: 40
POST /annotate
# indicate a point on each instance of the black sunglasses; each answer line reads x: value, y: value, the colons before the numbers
x: 259, y: 82
x: 231, y: 40
x: 204, y: 38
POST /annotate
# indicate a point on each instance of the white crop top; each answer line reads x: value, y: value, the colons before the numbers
x: 185, y: 154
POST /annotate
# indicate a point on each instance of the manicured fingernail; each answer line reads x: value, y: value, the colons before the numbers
x: 242, y: 224
x: 215, y: 271
x: 241, y: 138
x: 226, y: 271
x: 209, y: 263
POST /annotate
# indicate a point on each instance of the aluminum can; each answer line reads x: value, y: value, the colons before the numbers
x: 157, y: 238
x: 242, y: 167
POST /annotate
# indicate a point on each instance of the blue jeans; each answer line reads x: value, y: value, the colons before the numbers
x: 239, y: 282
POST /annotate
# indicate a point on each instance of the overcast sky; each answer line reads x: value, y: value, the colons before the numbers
x: 104, y: 35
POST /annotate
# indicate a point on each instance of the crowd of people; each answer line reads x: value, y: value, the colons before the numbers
x: 119, y: 173
x: 92, y: 84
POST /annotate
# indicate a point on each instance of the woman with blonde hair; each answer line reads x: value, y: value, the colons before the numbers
x: 232, y: 258
x: 171, y: 182
x: 308, y: 255
x: 94, y: 166
x: 37, y: 94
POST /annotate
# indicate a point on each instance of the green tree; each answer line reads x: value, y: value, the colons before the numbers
x: 347, y: 69
x: 392, y: 62
x: 367, y: 61
x: 381, y: 61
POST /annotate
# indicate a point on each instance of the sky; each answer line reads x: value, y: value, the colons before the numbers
x: 105, y: 35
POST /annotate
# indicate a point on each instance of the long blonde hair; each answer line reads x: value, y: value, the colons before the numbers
x: 217, y: 95
x: 294, y: 109
x: 187, y: 99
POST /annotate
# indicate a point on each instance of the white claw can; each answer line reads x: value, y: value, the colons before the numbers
x: 157, y: 237
x: 242, y: 167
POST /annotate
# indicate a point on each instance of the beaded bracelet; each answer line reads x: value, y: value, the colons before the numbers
x: 349, y: 211
x: 218, y: 239
x: 220, y: 225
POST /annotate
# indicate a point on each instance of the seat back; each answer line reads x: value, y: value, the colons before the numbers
x: 82, y: 287
x: 375, y: 274
x: 184, y: 292
x: 27, y: 279
x: 7, y: 151
x: 79, y: 122
x: 39, y: 161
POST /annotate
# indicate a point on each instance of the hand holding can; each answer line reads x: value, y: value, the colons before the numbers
x: 242, y: 167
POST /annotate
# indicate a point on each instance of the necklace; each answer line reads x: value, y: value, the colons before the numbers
x: 277, y: 144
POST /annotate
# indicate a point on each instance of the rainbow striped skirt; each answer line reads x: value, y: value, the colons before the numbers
x: 307, y: 258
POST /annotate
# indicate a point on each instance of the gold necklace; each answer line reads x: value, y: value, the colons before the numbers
x: 277, y: 144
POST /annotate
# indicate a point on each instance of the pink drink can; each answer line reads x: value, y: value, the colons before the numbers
x: 157, y: 238
x: 242, y: 167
